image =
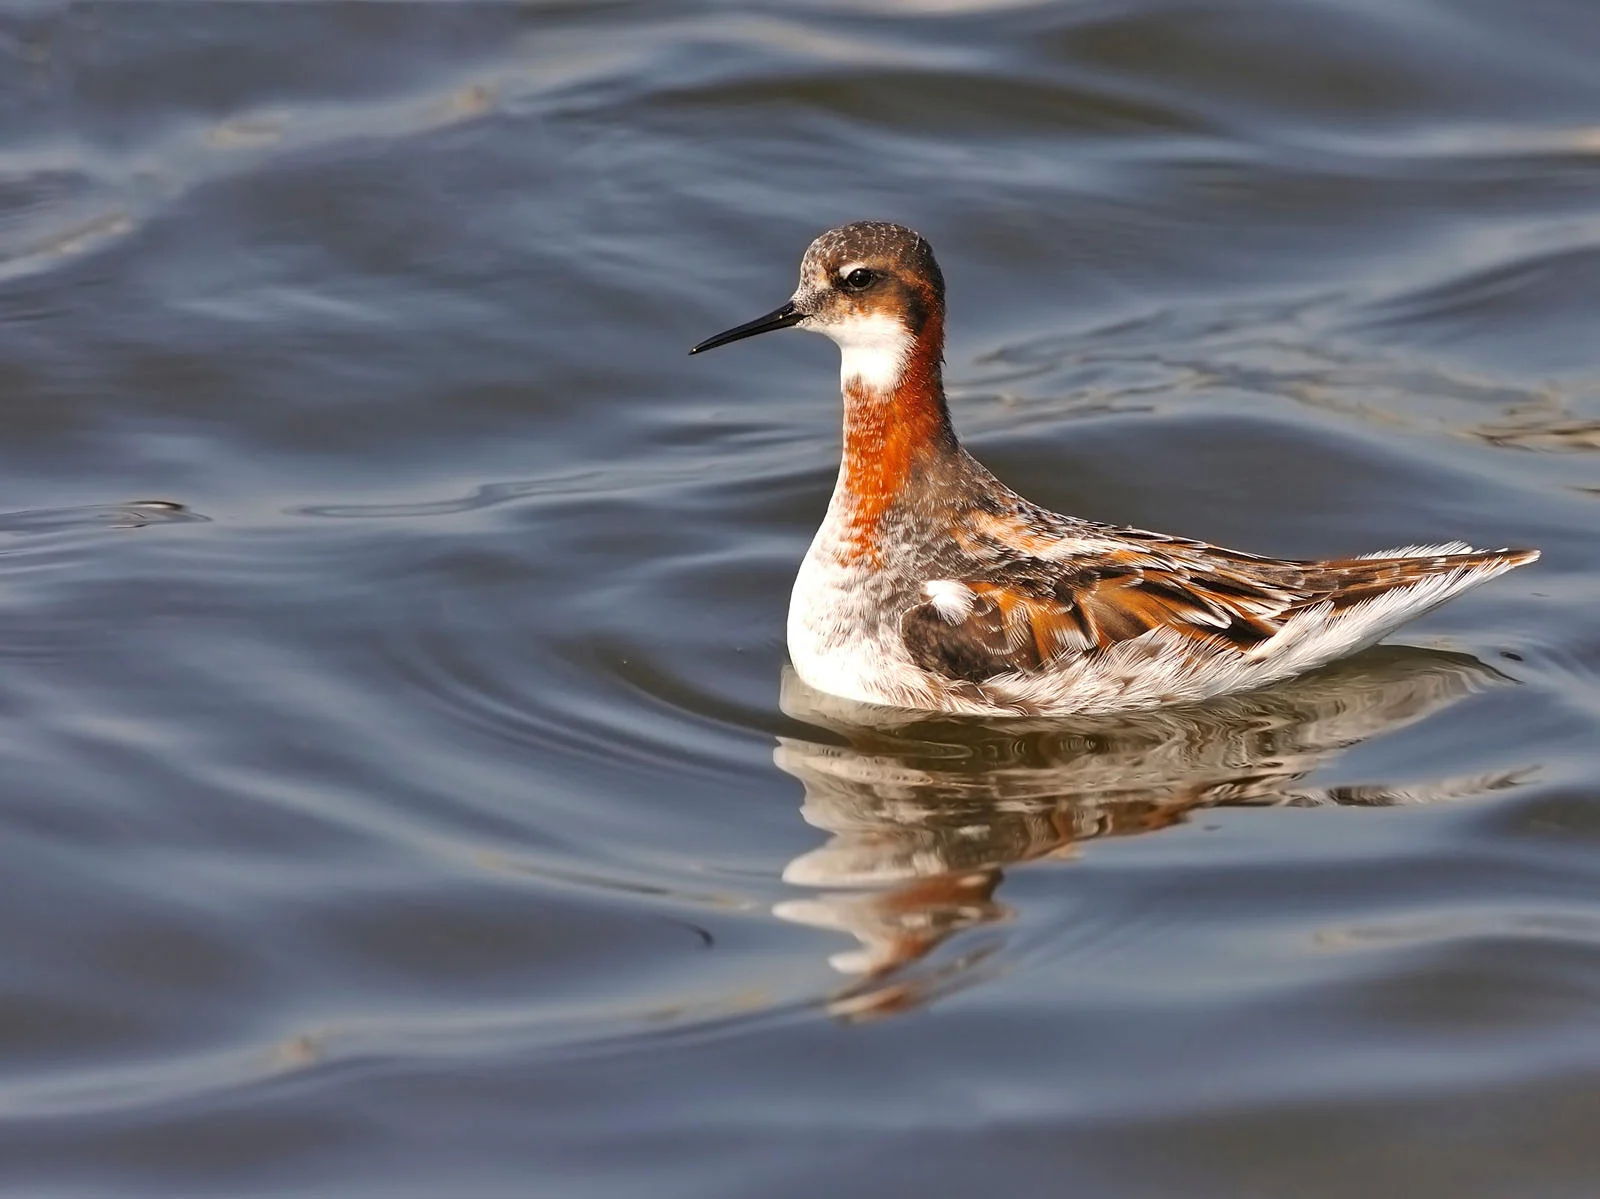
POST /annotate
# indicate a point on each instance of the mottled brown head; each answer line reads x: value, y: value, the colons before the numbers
x: 870, y: 269
x: 875, y: 289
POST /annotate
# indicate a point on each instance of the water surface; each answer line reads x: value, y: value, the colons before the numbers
x: 402, y: 790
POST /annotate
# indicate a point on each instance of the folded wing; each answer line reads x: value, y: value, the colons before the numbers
x: 1033, y: 602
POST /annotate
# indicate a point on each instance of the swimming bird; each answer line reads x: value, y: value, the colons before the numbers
x: 931, y: 585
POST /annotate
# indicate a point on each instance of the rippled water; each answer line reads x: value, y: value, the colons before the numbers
x: 402, y: 790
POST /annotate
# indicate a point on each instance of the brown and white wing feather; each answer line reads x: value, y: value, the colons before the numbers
x: 1035, y: 601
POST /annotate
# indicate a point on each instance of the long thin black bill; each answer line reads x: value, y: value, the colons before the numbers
x: 778, y: 318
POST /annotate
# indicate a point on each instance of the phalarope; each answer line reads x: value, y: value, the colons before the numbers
x: 932, y: 585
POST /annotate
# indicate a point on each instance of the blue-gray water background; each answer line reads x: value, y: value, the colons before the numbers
x: 421, y: 809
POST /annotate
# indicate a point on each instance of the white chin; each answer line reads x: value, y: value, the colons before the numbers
x: 872, y: 349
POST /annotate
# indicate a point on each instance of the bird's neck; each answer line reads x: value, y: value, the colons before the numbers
x: 896, y: 426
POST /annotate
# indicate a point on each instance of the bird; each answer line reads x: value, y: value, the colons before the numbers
x: 932, y: 586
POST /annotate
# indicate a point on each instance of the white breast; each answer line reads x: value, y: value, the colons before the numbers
x: 844, y: 635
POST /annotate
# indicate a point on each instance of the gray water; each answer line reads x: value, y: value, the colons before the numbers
x: 401, y: 789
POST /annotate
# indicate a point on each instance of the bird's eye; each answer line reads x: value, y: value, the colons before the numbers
x: 860, y: 279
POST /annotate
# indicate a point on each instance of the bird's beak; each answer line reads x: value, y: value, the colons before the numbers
x: 778, y: 318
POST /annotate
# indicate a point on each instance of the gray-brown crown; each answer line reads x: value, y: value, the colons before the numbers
x: 904, y: 250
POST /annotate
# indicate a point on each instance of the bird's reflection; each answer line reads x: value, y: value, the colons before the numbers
x: 924, y: 813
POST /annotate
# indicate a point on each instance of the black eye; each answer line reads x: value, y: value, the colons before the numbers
x: 860, y: 279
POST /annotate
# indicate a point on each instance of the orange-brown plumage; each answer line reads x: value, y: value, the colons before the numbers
x: 887, y: 436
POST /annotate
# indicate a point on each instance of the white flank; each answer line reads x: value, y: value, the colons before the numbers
x: 951, y: 598
x: 873, y: 349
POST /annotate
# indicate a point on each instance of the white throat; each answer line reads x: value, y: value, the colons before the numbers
x: 872, y: 350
